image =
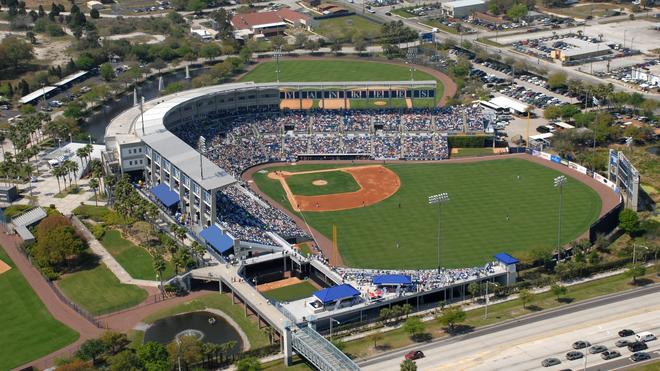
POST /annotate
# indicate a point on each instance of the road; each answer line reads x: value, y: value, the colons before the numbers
x: 522, y: 344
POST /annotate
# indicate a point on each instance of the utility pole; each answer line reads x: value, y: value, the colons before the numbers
x: 439, y: 199
x: 559, y: 182
x: 277, y: 54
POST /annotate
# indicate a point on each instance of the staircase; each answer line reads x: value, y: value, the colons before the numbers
x: 319, y: 351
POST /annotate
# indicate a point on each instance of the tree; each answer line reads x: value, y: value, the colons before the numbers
x: 312, y: 45
x: 107, y: 71
x: 475, y: 289
x: 210, y: 51
x: 73, y: 110
x: 552, y: 112
x: 384, y: 315
x: 300, y: 40
x: 94, y: 13
x: 56, y: 246
x: 91, y: 350
x: 153, y: 356
x: 94, y: 185
x: 115, y: 342
x: 526, y: 297
x: 159, y: 267
x: 517, y: 11
x: 568, y: 111
x: 452, y: 316
x: 85, y: 62
x: 126, y: 360
x: 376, y: 337
x: 413, y: 326
x: 557, y: 80
x: 408, y: 365
x: 635, y: 270
x: 248, y: 364
x: 14, y: 52
x: 629, y: 222
x: 558, y: 290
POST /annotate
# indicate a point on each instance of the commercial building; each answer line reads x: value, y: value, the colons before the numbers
x: 463, y: 8
x: 511, y: 105
x: 577, y: 49
x: 266, y: 24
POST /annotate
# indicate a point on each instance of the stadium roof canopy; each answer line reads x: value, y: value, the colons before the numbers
x: 336, y: 293
x: 506, y: 259
x: 165, y: 195
x: 392, y: 279
x: 219, y: 241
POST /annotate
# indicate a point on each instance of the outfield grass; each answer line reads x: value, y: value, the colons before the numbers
x: 336, y: 70
x: 221, y: 302
x: 346, y: 26
x: 136, y: 260
x: 28, y: 329
x: 474, y: 224
x: 291, y: 293
x: 472, y: 152
x: 98, y: 291
x: 338, y: 182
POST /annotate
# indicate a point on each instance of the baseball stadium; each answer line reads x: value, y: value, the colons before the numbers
x: 328, y: 187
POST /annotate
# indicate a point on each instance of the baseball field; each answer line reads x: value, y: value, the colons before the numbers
x: 507, y: 205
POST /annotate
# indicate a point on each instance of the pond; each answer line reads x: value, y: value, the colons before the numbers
x: 206, y: 326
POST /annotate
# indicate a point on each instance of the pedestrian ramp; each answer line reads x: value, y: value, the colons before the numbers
x: 319, y: 351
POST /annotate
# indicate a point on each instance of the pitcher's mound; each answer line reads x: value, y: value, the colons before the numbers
x: 320, y: 182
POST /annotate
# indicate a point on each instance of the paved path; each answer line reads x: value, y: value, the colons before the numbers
x: 122, y: 275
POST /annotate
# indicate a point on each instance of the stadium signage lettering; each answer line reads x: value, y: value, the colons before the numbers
x: 358, y: 94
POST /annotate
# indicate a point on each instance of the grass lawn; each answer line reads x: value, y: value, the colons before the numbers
x: 70, y: 190
x: 403, y: 12
x: 221, y: 302
x: 338, y: 182
x: 136, y: 260
x: 98, y: 291
x: 28, y: 330
x: 291, y: 293
x: 336, y: 70
x: 472, y: 152
x: 496, y: 313
x: 583, y: 11
x: 96, y: 213
x: 474, y: 223
x: 348, y: 25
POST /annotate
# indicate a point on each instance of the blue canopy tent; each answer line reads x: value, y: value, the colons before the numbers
x: 165, y: 195
x: 392, y: 279
x: 336, y: 293
x: 506, y: 259
x: 219, y: 241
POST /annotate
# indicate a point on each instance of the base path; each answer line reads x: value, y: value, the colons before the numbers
x: 376, y: 182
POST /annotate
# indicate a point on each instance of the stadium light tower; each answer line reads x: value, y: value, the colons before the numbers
x: 277, y: 54
x: 439, y: 199
x: 560, y: 181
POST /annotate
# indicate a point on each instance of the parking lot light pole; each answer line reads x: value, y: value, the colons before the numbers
x: 439, y: 199
x: 559, y: 182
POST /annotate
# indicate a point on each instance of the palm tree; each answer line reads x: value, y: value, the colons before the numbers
x: 73, y: 168
x: 81, y: 153
x: 59, y: 172
x: 159, y: 267
x: 94, y: 185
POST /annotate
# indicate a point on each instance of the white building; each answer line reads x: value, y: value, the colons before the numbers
x: 463, y: 8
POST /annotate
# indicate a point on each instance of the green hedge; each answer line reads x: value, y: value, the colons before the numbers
x: 462, y: 141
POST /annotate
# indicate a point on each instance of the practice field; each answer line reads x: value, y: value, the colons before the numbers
x: 28, y: 329
x: 314, y: 184
x: 490, y: 210
x: 291, y: 293
x: 336, y: 70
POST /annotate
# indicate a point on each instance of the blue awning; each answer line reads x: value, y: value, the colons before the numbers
x: 335, y: 293
x: 219, y: 241
x: 392, y: 279
x: 167, y: 196
x: 506, y: 259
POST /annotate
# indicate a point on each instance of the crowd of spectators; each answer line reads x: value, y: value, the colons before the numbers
x: 424, y: 279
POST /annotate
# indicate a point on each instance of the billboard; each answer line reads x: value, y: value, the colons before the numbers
x: 625, y: 177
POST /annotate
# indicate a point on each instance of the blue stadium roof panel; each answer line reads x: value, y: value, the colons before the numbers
x: 506, y: 258
x: 219, y: 241
x: 334, y: 293
x: 392, y: 279
x: 165, y: 195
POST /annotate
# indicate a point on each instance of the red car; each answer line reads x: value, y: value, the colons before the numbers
x: 415, y: 354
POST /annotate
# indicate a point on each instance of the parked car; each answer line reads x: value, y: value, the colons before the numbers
x: 415, y: 354
x: 610, y: 354
x: 548, y: 362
